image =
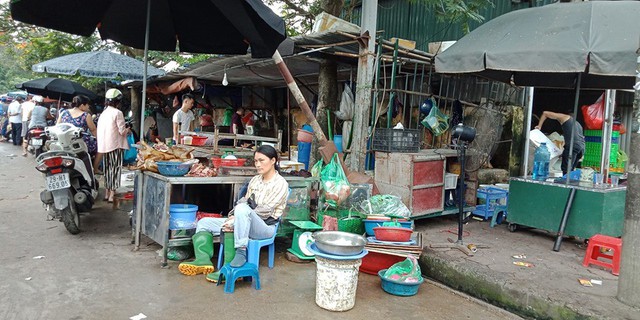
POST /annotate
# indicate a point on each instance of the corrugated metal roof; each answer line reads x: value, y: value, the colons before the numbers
x: 413, y: 20
x: 303, y: 64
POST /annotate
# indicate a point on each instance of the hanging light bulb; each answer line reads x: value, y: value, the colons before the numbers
x: 225, y: 82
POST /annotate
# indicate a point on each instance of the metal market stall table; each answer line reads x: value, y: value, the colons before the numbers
x: 540, y: 204
x: 153, y: 196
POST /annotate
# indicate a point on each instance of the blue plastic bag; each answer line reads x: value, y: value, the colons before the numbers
x: 131, y: 154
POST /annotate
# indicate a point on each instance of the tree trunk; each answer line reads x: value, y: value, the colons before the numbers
x: 136, y: 105
x: 327, y: 97
x: 327, y: 83
x: 629, y: 280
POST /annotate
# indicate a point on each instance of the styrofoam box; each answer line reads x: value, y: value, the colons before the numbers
x: 450, y: 181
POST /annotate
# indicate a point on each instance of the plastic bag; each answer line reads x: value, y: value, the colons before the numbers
x: 387, y: 205
x: 335, y: 185
x: 594, y: 114
x: 316, y: 169
x: 436, y: 121
x: 405, y: 271
x: 180, y: 253
x: 131, y: 154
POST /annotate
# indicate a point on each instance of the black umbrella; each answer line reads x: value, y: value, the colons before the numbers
x: 548, y: 46
x: 99, y: 64
x: 197, y: 26
x: 56, y: 88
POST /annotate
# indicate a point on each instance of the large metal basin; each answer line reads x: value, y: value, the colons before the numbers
x: 339, y: 243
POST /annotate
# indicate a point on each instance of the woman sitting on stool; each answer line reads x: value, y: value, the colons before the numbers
x: 253, y: 217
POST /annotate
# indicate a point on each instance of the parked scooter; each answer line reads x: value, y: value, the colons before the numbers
x: 37, y: 138
x: 70, y: 185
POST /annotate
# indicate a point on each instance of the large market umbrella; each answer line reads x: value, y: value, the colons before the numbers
x: 56, y: 88
x: 98, y: 64
x: 548, y: 46
x: 197, y: 26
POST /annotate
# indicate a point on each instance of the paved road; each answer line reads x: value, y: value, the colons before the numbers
x: 96, y: 275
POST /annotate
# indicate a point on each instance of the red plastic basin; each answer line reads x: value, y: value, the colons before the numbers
x: 392, y: 234
x: 198, y: 140
x: 219, y: 162
x: 375, y: 261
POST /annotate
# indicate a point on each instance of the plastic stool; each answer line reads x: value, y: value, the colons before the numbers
x: 599, y: 241
x: 248, y: 271
x: 253, y: 250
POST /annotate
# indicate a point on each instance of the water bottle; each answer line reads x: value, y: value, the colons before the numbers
x: 541, y: 162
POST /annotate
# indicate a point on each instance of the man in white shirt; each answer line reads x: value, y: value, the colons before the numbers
x: 15, y: 118
x: 183, y: 118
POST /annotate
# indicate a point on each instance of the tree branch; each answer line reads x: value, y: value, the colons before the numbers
x: 296, y: 8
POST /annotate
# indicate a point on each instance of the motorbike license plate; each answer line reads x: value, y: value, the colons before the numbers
x: 36, y: 142
x: 58, y: 181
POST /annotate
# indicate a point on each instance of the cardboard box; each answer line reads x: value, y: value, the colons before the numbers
x: 327, y: 22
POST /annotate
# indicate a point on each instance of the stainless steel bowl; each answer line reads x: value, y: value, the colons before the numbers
x: 339, y: 243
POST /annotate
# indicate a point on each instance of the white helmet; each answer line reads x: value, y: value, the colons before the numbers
x: 113, y: 95
x: 38, y: 99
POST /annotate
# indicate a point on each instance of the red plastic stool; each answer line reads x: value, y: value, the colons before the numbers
x: 594, y: 252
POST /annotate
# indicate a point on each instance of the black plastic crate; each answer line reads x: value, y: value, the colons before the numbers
x: 396, y: 140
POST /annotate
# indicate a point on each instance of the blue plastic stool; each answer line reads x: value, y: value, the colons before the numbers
x: 253, y: 250
x: 248, y: 271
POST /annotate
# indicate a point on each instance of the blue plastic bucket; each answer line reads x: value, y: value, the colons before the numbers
x: 304, y: 152
x: 182, y: 216
x: 337, y: 140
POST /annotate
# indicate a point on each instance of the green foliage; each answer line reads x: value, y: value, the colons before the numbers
x: 458, y: 11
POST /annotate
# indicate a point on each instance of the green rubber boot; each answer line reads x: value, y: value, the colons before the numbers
x: 229, y: 254
x: 203, y: 249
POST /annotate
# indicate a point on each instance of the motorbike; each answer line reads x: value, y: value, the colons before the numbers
x: 70, y: 184
x: 37, y: 138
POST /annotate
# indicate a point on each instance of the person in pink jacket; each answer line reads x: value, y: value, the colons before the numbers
x: 112, y: 141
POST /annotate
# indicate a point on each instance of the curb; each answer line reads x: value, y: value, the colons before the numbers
x: 482, y: 288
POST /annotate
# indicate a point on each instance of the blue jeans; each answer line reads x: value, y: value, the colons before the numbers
x: 247, y: 225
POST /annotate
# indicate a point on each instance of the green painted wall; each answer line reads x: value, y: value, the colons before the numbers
x: 412, y: 20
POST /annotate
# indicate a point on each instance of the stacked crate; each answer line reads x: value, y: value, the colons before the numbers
x: 593, y: 148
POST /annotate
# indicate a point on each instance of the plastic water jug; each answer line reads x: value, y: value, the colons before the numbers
x: 541, y: 162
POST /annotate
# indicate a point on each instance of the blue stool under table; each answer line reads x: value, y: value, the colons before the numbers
x: 248, y: 271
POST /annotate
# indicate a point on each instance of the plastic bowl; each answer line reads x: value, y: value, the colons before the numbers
x: 172, y: 168
x: 398, y: 288
x: 369, y: 224
x: 375, y: 261
x: 339, y: 243
x: 198, y: 140
x: 219, y: 162
x: 394, y: 234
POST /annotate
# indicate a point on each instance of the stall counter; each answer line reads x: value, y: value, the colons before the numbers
x: 540, y: 205
x: 152, y: 200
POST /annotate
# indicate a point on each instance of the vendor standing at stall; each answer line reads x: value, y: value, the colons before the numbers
x: 254, y: 216
x: 569, y: 124
x: 184, y: 117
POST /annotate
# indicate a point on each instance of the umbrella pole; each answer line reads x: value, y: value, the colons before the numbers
x: 144, y: 69
x: 529, y: 106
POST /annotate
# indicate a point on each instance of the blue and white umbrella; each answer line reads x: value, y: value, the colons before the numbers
x: 98, y: 64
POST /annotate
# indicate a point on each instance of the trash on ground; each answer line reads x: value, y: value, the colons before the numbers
x: 27, y: 279
x: 519, y: 256
x: 139, y: 316
x: 38, y: 257
x: 523, y: 264
x: 598, y: 282
x: 585, y: 282
x: 11, y: 155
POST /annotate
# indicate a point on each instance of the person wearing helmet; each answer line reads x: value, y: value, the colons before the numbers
x: 183, y: 118
x: 112, y: 141
x: 39, y: 116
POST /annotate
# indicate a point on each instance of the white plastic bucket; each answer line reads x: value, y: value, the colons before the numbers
x: 336, y: 283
